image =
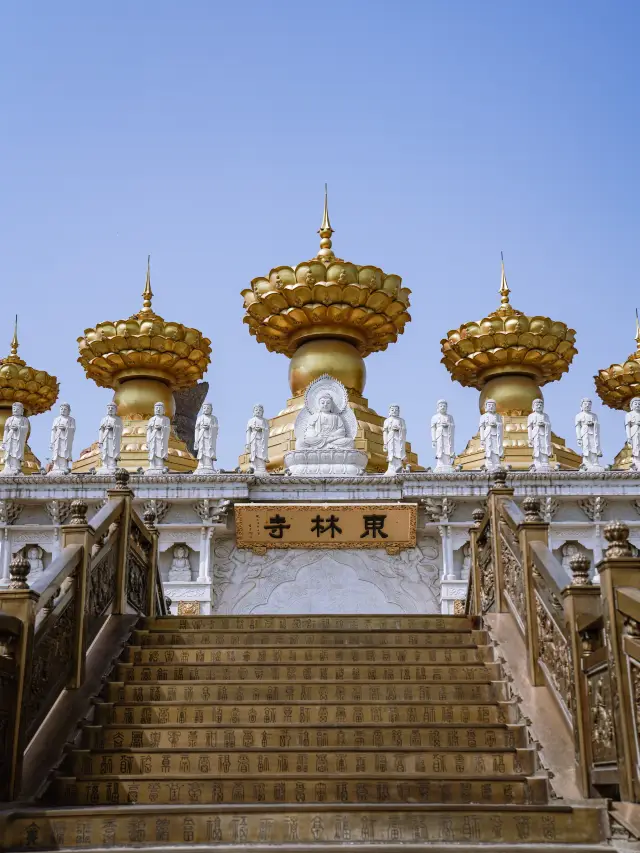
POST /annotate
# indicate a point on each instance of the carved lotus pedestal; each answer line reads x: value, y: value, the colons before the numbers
x: 326, y: 463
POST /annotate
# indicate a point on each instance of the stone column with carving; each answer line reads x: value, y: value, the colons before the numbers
x: 9, y: 514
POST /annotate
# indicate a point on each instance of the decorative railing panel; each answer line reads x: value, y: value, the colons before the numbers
x: 513, y: 574
x: 554, y: 652
x: 104, y: 567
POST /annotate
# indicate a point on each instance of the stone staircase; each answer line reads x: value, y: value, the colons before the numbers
x: 305, y: 731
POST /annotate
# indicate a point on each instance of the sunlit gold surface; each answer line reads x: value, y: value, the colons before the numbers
x: 620, y: 383
x: 144, y: 359
x: 327, y: 315
x: 514, y: 393
x: 326, y: 355
x: 37, y: 390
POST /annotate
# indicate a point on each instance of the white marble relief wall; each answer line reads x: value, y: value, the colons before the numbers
x: 326, y: 581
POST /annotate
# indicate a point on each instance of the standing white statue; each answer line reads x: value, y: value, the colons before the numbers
x: 491, y: 436
x: 63, y: 430
x: 539, y: 430
x: 394, y: 436
x: 109, y: 439
x: 588, y: 436
x: 443, y: 437
x: 206, y: 436
x: 632, y: 427
x: 257, y: 440
x: 16, y: 428
x: 158, y: 429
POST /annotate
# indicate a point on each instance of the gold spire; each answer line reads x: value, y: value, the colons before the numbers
x: 637, y: 330
x: 504, y: 289
x: 147, y: 293
x: 325, y: 232
x: 14, y: 340
x: 13, y: 357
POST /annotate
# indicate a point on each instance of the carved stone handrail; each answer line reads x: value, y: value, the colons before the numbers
x: 48, y: 584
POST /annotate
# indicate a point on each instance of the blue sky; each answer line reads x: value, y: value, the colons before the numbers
x: 203, y: 132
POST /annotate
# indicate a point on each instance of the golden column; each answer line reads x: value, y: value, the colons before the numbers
x: 327, y: 315
x: 35, y: 389
x: 617, y: 386
x: 508, y: 356
x: 144, y: 359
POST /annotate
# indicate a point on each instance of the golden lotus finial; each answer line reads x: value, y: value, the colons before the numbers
x: 147, y: 293
x: 325, y: 232
x: 504, y: 288
x: 14, y: 339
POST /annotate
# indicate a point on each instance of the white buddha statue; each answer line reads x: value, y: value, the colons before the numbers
x: 206, y: 436
x: 158, y: 429
x: 632, y: 429
x: 16, y: 429
x: 180, y: 566
x: 394, y: 434
x: 325, y: 431
x: 63, y: 430
x: 109, y: 440
x: 539, y: 433
x: 325, y: 428
x: 443, y: 437
x: 257, y: 440
x: 588, y: 436
x: 492, y: 436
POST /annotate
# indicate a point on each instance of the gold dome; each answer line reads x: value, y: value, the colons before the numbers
x: 620, y: 383
x: 508, y: 356
x: 508, y: 341
x: 144, y: 359
x: 35, y: 389
x: 326, y: 297
x: 147, y: 343
x: 327, y: 315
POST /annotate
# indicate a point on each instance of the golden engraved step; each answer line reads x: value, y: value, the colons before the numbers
x: 89, y: 791
x: 169, y: 737
x: 308, y: 714
x: 431, y: 622
x: 192, y: 762
x: 449, y: 673
x: 313, y: 825
x: 325, y: 639
x: 144, y: 654
x: 341, y: 691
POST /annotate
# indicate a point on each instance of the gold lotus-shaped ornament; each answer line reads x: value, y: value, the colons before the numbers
x: 508, y: 341
x: 37, y: 390
x: 146, y: 344
x: 620, y: 383
x: 326, y: 297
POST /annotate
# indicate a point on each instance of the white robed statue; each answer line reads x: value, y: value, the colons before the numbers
x: 394, y: 437
x: 443, y: 437
x: 158, y: 430
x: 588, y: 436
x: 206, y: 436
x: 492, y: 436
x: 63, y: 430
x: 632, y: 428
x: 325, y: 431
x: 257, y: 440
x: 109, y: 440
x: 539, y: 432
x: 16, y: 429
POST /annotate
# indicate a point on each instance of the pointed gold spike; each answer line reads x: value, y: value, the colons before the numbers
x: 326, y: 252
x: 147, y: 293
x: 504, y: 289
x: 638, y: 330
x: 14, y: 340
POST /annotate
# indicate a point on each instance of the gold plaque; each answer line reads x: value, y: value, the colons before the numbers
x: 327, y: 525
x: 188, y: 608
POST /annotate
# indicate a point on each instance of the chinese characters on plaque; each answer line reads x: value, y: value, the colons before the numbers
x: 390, y: 526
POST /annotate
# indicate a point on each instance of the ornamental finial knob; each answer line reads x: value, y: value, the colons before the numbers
x: 19, y: 568
x: 579, y: 565
x: 617, y: 534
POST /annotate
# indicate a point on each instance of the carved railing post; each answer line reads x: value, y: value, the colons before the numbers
x: 78, y: 531
x: 475, y: 579
x: 149, y: 519
x: 620, y: 572
x: 122, y: 492
x: 18, y: 606
x: 533, y: 529
x: 498, y: 491
x: 581, y: 608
